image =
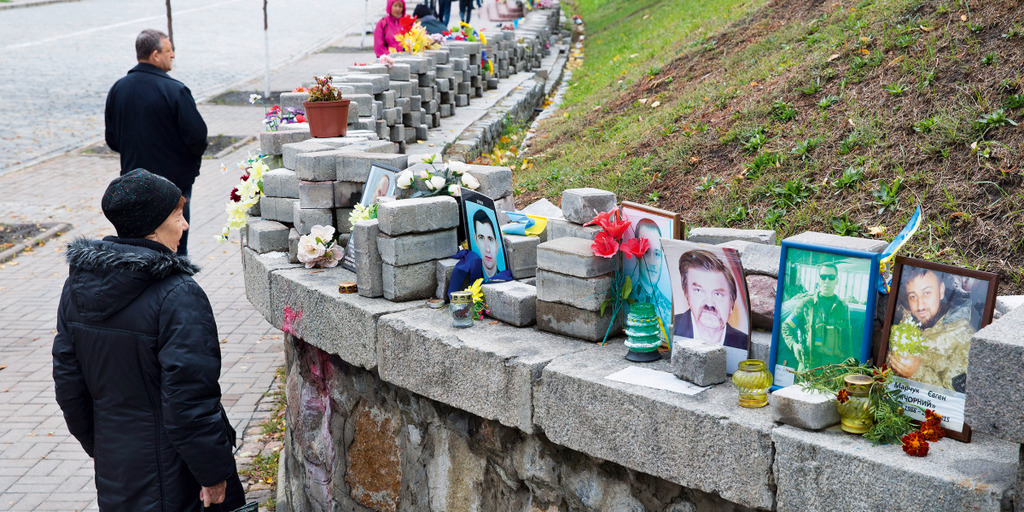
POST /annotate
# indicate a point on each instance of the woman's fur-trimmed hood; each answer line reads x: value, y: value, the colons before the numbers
x: 95, y: 254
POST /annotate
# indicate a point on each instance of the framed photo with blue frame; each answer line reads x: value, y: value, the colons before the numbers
x: 380, y: 182
x: 480, y: 220
x: 824, y: 308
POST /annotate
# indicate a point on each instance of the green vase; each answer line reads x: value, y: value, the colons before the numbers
x: 643, y: 334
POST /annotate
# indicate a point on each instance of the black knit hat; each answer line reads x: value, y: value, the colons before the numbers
x: 138, y: 202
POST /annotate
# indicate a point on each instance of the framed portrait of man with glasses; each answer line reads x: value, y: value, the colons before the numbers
x: 824, y: 308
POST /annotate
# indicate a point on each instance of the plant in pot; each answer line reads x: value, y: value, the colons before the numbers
x: 326, y: 110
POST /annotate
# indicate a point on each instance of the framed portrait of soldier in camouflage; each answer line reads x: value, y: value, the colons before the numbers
x: 933, y: 312
x: 824, y: 308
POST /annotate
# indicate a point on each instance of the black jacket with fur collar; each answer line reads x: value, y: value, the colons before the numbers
x: 135, y: 362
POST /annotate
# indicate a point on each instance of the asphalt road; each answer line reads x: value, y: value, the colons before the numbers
x: 58, y: 61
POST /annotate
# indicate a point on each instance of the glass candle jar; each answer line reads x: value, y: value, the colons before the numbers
x: 752, y: 379
x: 461, y: 309
x: 855, y: 412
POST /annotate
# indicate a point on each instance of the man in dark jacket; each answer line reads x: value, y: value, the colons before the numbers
x: 136, y: 360
x: 152, y: 120
x: 430, y: 23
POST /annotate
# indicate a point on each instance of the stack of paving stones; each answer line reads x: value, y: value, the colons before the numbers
x: 466, y: 66
x: 571, y: 281
x: 443, y: 104
x: 413, y: 234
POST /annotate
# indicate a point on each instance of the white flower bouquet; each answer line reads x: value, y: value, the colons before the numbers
x: 319, y: 248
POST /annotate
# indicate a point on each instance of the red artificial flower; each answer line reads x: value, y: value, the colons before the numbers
x: 300, y: 89
x: 407, y: 22
x: 604, y: 245
x: 275, y: 109
x: 617, y: 229
x: 843, y: 396
x: 602, y: 219
x: 635, y: 247
x: 234, y: 195
x: 299, y: 118
x: 245, y: 177
x: 915, y: 444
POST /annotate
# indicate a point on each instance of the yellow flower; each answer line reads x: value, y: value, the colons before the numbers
x: 475, y: 289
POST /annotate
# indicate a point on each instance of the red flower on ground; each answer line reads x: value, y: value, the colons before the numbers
x: 931, y: 416
x: 604, y: 245
x: 843, y: 397
x: 931, y: 431
x: 299, y: 118
x: 915, y: 444
x: 234, y: 195
x: 635, y: 247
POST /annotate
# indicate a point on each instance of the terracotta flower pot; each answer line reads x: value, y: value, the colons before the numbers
x: 327, y: 118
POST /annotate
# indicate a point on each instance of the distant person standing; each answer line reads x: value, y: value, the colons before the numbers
x: 152, y: 120
x: 465, y: 10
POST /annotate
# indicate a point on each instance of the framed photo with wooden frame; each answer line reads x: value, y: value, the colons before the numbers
x: 824, y: 308
x: 651, y: 282
x: 380, y: 182
x: 933, y: 312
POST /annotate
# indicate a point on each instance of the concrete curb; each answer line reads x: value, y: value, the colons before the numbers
x: 32, y: 3
x: 13, y: 252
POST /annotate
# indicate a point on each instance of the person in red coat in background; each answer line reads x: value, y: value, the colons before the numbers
x: 388, y: 28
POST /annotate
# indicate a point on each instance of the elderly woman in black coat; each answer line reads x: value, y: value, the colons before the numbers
x: 136, y: 360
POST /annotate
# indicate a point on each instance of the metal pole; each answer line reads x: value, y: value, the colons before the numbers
x: 170, y: 28
x: 362, y: 28
x: 266, y: 53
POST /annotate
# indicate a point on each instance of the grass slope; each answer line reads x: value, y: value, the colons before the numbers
x: 834, y: 116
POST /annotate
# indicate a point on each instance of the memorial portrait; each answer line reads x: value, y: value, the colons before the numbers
x: 824, y: 308
x: 380, y: 182
x: 933, y: 312
x: 709, y: 297
x: 649, y: 274
x: 481, y: 223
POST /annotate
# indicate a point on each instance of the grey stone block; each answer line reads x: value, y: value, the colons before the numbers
x: 409, y: 282
x: 760, y: 345
x: 317, y: 166
x: 421, y: 132
x: 293, y: 245
x: 714, y: 446
x: 290, y: 151
x: 445, y: 268
x: 416, y: 64
x: 812, y: 472
x: 316, y: 194
x: 369, y: 269
x: 757, y: 259
x: 440, y: 56
x: 398, y: 133
x: 361, y: 105
x: 378, y: 83
x: 804, y: 408
x: 419, y: 215
x: 1007, y: 303
x: 340, y: 324
x: 495, y: 181
x: 487, y: 370
x: 306, y: 218
x: 575, y: 322
x: 271, y: 143
x: 347, y: 193
x: 399, y: 72
x: 387, y: 98
x: 373, y: 69
x: 522, y: 254
x: 391, y: 116
x: 281, y: 183
x: 267, y: 236
x: 461, y: 100
x: 293, y: 99
x: 442, y: 86
x: 581, y: 205
x: 341, y: 219
x: 561, y: 228
x: 761, y: 290
x: 842, y: 242
x: 502, y: 205
x: 995, y: 375
x: 512, y: 302
x: 582, y: 293
x: 699, y: 363
x: 417, y: 248
x: 571, y: 256
x: 355, y: 165
x: 257, y: 269
x: 403, y: 90
x: 281, y: 209
x: 716, y: 236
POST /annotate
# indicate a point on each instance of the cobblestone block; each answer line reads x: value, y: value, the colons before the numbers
x: 456, y: 52
x: 402, y: 89
x: 461, y: 100
x: 369, y: 276
x: 316, y: 194
x: 699, y: 363
x: 413, y: 119
x: 757, y: 259
x: 387, y: 98
x: 258, y: 268
x: 267, y: 236
x: 804, y: 408
x: 347, y: 193
x: 398, y: 72
x: 717, y: 236
x: 415, y: 103
x: 512, y: 302
x: 427, y: 79
x: 522, y: 254
x: 281, y: 183
x: 409, y: 282
x: 341, y: 216
x: 421, y: 132
x: 426, y: 93
x: 317, y: 166
x: 440, y: 56
x: 293, y: 99
x: 445, y: 71
x: 842, y: 242
x: 502, y: 205
x: 290, y: 151
x: 379, y: 83
x: 575, y: 322
x: 280, y: 209
x: 417, y: 248
x: 354, y: 166
x: 420, y: 215
x: 445, y: 268
x: 561, y: 228
x: 391, y: 116
x: 361, y: 104
x: 572, y: 256
x: 446, y: 110
x: 495, y: 181
x: 581, y: 205
x: 306, y: 218
x: 416, y: 64
x: 582, y: 293
x: 996, y: 373
x: 272, y: 142
x: 398, y: 133
x: 293, y: 247
x: 373, y: 69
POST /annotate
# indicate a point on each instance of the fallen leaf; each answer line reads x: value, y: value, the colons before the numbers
x: 833, y: 57
x: 655, y: 104
x: 876, y: 231
x: 926, y: 29
x: 963, y: 17
x: 642, y: 101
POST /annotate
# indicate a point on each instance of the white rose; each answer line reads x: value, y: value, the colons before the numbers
x: 453, y: 190
x: 404, y: 180
x: 309, y: 250
x: 435, y: 183
x: 332, y: 256
x: 424, y: 175
x: 458, y: 167
x: 324, y: 233
x: 470, y: 182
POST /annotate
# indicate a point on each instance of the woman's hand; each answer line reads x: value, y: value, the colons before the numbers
x: 213, y: 495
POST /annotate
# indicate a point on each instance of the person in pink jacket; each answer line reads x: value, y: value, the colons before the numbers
x: 387, y: 28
